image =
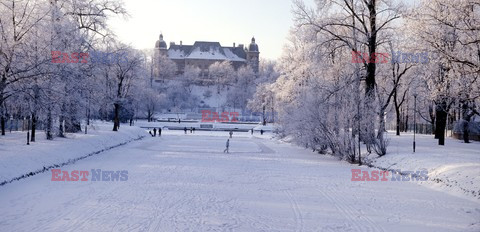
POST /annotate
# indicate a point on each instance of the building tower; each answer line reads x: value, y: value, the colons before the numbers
x: 159, y: 51
x: 253, y: 55
x: 161, y: 46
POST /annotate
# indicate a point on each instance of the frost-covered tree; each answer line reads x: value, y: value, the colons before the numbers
x: 149, y: 101
x: 267, y: 71
x: 40, y: 66
x: 325, y: 100
x: 220, y: 74
x: 122, y: 74
x: 20, y: 23
x: 242, y: 88
x: 165, y: 69
x: 191, y: 76
x: 450, y: 30
x: 356, y: 26
x: 263, y: 101
x: 178, y: 97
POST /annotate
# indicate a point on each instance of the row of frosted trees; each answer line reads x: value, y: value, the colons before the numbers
x: 351, y: 63
x: 60, y: 66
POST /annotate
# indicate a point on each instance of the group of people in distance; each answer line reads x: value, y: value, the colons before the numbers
x: 192, y: 130
x: 227, y: 145
x: 155, y: 132
x: 228, y: 142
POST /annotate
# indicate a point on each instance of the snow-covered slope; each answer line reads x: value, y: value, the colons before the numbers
x: 17, y: 158
x: 454, y: 167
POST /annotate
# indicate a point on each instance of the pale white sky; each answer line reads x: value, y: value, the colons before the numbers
x: 225, y: 21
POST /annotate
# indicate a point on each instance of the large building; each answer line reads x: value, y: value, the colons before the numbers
x: 202, y: 54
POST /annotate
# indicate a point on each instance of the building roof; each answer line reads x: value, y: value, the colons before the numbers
x: 204, y: 50
x: 179, y: 51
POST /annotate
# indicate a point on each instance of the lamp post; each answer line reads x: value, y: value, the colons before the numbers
x: 359, y: 146
x: 414, y: 119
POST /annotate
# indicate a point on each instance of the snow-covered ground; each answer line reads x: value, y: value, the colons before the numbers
x: 216, y: 99
x: 455, y: 167
x: 17, y: 158
x: 184, y: 182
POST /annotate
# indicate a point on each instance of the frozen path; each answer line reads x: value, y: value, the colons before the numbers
x: 186, y: 183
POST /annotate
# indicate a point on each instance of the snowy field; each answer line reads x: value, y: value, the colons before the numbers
x: 186, y: 183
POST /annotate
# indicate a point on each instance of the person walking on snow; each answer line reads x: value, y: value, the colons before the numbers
x: 227, y: 145
x: 159, y: 132
x: 154, y: 132
x: 231, y: 133
x: 185, y: 129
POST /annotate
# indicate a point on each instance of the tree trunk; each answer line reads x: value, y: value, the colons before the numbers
x: 381, y: 127
x: 150, y: 114
x: 466, y: 138
x: 3, y: 84
x: 437, y: 136
x: 370, y: 77
x: 48, y: 130
x: 116, y: 118
x: 2, y: 124
x: 368, y: 136
x: 61, y: 121
x: 60, y: 127
x: 431, y: 113
x: 88, y: 116
x: 441, y: 123
x: 406, y: 120
x: 405, y: 126
x: 264, y: 121
x: 34, y: 125
x: 273, y: 114
x: 397, y: 112
x: 87, y: 121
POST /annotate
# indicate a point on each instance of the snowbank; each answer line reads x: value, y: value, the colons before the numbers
x: 17, y: 158
x: 454, y: 168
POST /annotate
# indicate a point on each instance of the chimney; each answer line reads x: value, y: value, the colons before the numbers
x: 233, y: 44
x: 180, y: 43
x: 240, y: 45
